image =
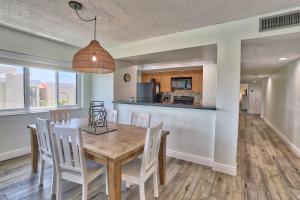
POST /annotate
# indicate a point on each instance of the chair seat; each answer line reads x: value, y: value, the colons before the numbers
x: 93, y: 170
x: 131, y: 170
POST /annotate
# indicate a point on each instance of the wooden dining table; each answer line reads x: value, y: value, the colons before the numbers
x: 112, y: 149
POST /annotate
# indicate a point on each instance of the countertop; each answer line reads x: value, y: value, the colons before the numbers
x: 166, y: 105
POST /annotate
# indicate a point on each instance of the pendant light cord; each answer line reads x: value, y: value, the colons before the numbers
x: 88, y: 20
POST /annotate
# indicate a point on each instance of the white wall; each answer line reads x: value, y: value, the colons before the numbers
x: 20, y: 42
x: 209, y: 94
x: 123, y: 90
x: 191, y: 130
x: 281, y: 103
x: 102, y: 88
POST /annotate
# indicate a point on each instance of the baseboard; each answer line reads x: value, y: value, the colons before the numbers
x: 190, y: 158
x: 292, y: 147
x: 226, y: 169
x: 15, y: 153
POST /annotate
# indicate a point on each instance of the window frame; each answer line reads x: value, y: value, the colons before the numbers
x: 78, y: 90
x: 26, y: 87
x: 24, y: 93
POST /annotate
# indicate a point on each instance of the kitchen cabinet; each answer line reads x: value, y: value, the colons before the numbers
x: 165, y: 82
x: 164, y: 78
x: 146, y: 77
x: 197, y: 81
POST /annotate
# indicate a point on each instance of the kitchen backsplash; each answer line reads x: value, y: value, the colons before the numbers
x: 197, y: 96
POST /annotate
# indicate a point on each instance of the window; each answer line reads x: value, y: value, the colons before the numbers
x: 24, y: 89
x: 67, y: 84
x: 42, y: 88
x: 11, y: 87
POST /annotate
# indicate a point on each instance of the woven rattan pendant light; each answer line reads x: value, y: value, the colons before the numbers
x: 92, y: 58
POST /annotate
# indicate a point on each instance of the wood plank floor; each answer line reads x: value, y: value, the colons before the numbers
x: 267, y: 169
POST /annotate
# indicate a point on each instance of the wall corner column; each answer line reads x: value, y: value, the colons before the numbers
x: 227, y: 103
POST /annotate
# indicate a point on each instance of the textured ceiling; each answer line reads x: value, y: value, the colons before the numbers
x: 122, y: 21
x: 261, y: 56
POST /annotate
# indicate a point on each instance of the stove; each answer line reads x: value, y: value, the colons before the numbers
x: 183, y: 99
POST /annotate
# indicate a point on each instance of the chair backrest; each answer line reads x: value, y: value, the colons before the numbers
x: 43, y: 131
x: 62, y: 115
x: 112, y: 115
x: 140, y: 119
x: 68, y: 150
x: 151, y: 148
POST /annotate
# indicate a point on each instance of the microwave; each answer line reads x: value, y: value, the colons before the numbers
x: 181, y: 83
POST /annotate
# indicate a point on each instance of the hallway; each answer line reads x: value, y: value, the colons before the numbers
x: 267, y: 167
x: 267, y: 170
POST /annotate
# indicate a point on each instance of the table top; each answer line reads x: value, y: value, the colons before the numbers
x: 112, y: 145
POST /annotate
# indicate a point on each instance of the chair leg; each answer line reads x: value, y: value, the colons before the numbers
x: 84, y: 191
x: 41, y: 171
x: 106, y: 183
x: 53, y: 187
x: 58, y: 188
x: 142, y: 191
x: 155, y: 182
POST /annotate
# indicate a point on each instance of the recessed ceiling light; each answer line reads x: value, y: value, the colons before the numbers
x: 262, y: 76
x: 282, y: 59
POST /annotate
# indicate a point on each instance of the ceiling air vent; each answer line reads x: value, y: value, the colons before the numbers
x: 279, y: 21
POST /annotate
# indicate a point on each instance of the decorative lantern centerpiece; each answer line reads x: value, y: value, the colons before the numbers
x: 97, y: 115
x: 97, y: 123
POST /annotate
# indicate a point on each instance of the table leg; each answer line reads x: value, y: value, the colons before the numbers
x: 34, y: 151
x: 114, y: 173
x: 162, y: 160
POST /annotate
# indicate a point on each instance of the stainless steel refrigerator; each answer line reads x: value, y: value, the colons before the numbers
x: 148, y: 92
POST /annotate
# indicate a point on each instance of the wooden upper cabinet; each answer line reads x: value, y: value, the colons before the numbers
x: 197, y: 81
x: 165, y: 82
x: 164, y: 78
x: 146, y: 77
x: 187, y: 74
x: 157, y: 76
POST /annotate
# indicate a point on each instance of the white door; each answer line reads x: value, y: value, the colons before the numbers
x: 255, y: 98
x: 258, y: 100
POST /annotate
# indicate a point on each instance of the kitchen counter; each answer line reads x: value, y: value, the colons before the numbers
x: 166, y: 105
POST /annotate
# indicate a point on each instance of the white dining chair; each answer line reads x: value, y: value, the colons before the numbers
x: 43, y: 131
x: 61, y: 115
x: 139, y: 170
x: 70, y: 160
x: 140, y: 119
x: 112, y: 115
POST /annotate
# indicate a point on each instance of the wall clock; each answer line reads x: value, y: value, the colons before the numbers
x: 126, y: 77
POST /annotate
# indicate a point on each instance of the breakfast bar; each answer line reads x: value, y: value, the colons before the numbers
x: 192, y: 127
